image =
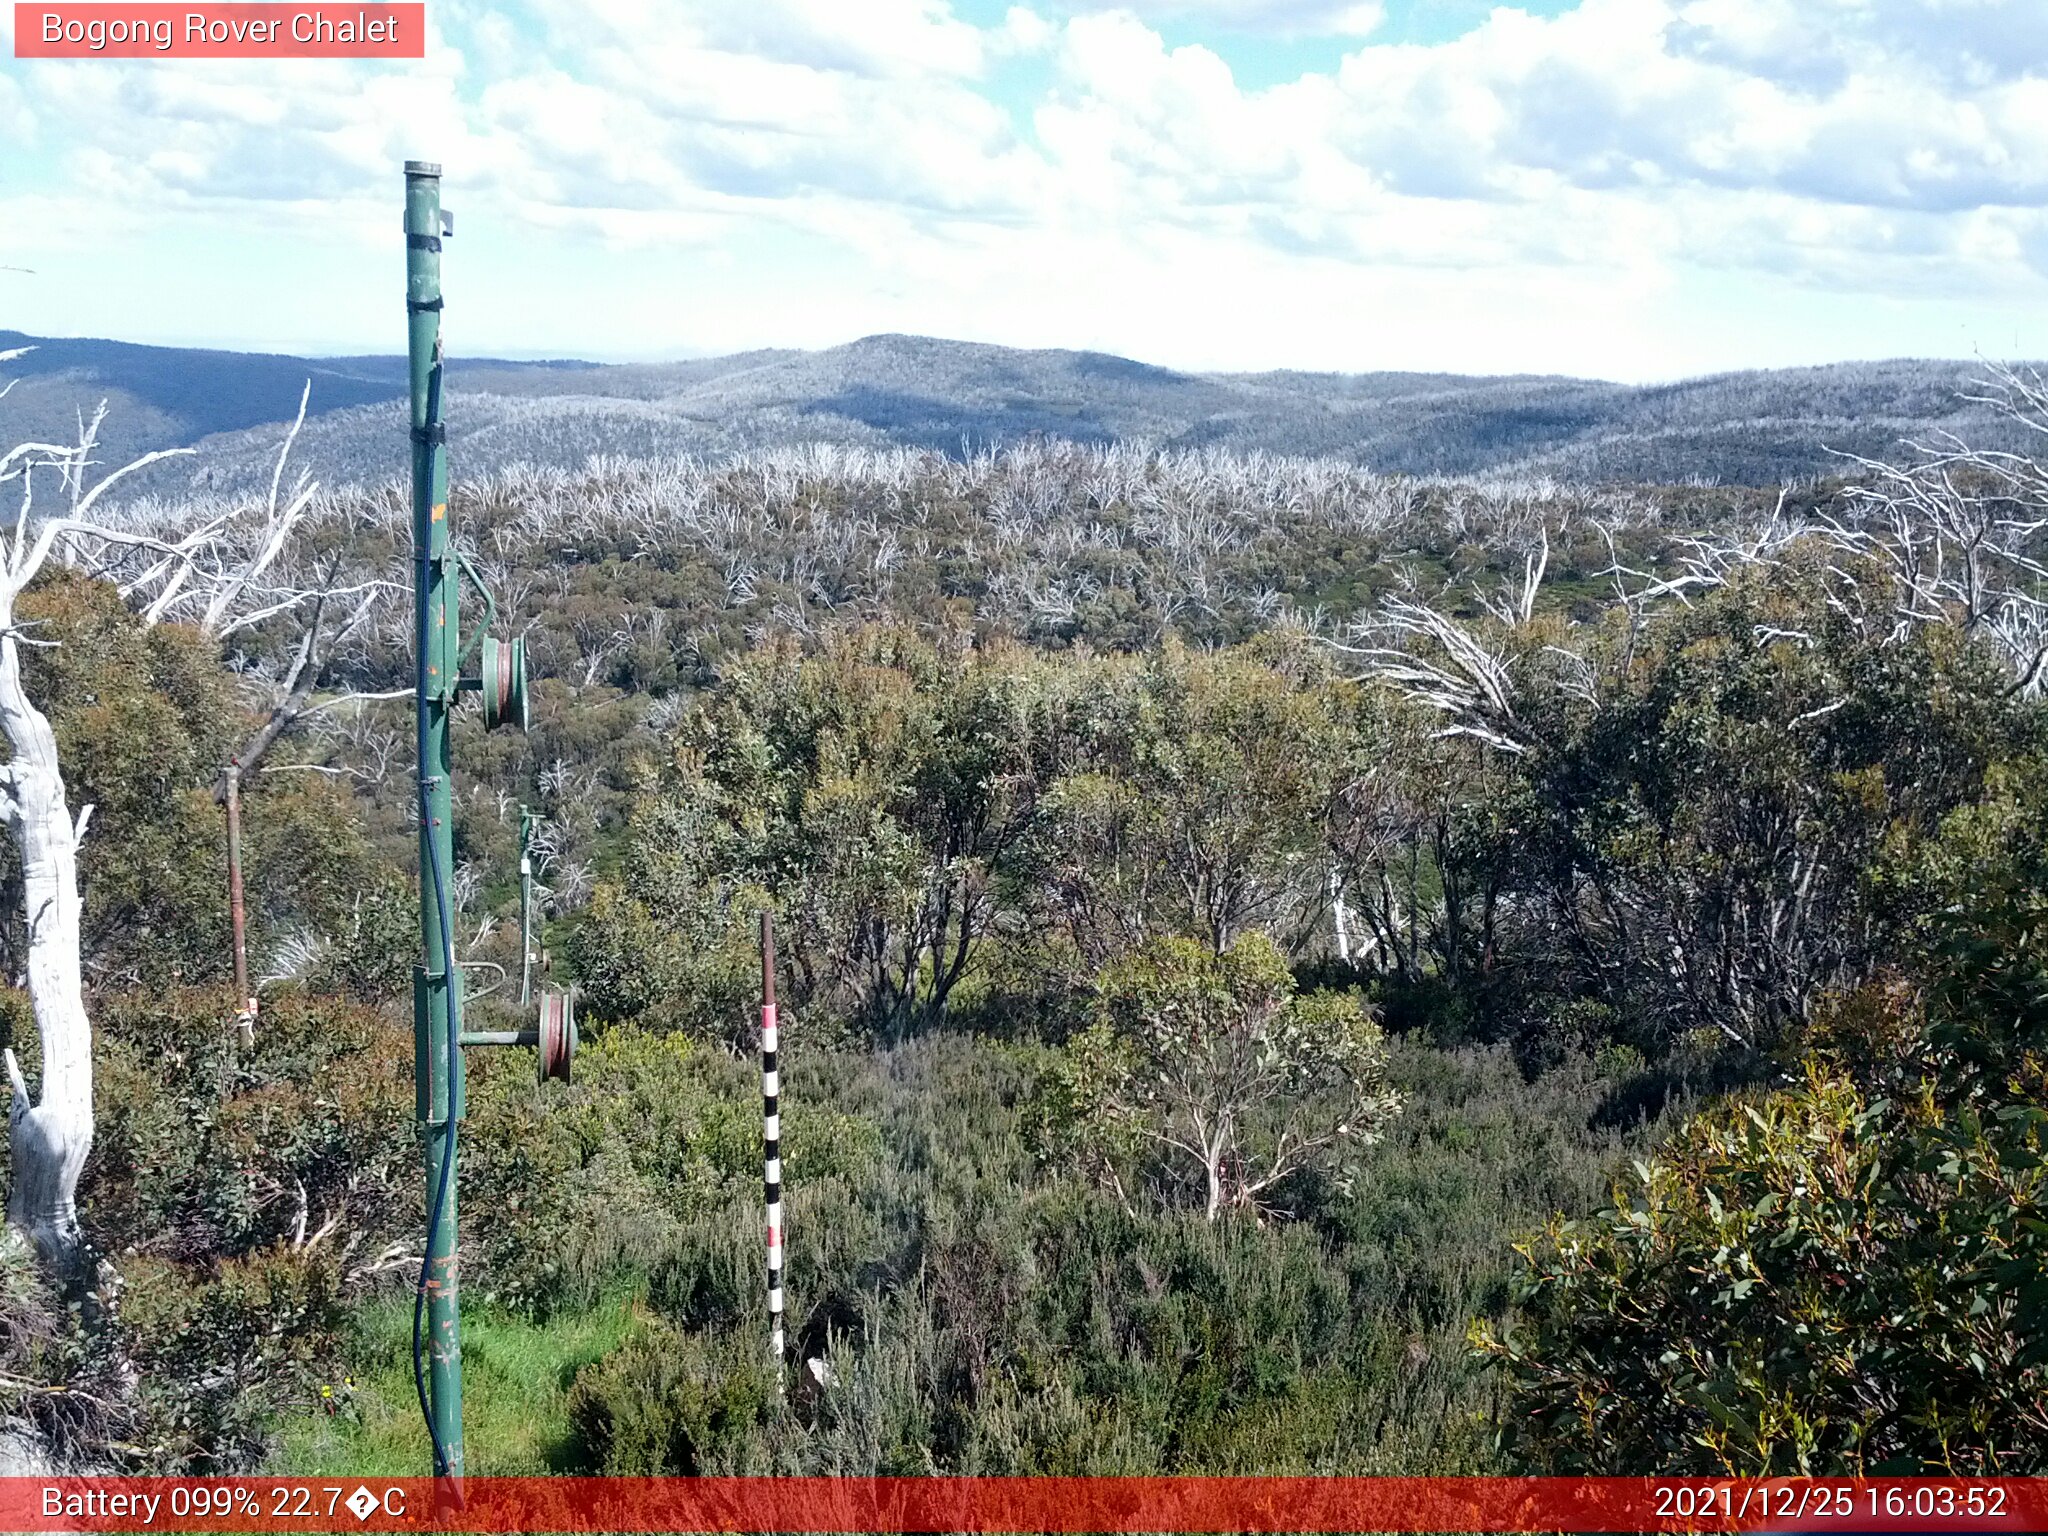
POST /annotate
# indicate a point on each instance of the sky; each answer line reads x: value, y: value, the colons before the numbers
x: 1627, y: 189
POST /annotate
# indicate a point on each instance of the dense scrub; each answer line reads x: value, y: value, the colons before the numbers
x: 1225, y: 904
x: 977, y: 1307
x: 1845, y: 1273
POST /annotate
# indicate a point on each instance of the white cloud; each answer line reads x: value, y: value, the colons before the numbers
x: 1071, y: 170
x: 880, y: 39
x: 1285, y: 18
x: 1613, y: 99
x: 17, y: 122
x: 1023, y: 31
x: 1641, y: 93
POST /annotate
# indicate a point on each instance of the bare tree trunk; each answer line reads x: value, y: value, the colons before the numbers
x: 245, y: 1000
x: 48, y: 1140
x: 298, y: 693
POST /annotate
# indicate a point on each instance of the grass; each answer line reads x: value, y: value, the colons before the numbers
x: 516, y: 1376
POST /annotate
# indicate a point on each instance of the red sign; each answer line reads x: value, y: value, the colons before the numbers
x: 351, y: 29
x: 1700, y: 1505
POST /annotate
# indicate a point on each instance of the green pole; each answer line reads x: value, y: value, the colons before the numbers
x: 437, y: 1002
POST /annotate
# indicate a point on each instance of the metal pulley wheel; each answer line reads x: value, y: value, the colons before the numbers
x: 501, y: 668
x: 557, y: 1036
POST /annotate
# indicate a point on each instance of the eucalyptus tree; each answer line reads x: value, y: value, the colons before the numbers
x: 1209, y: 1072
x: 49, y: 1137
x: 1195, y: 801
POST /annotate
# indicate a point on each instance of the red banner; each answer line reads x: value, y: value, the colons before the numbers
x: 1051, y: 1504
x: 349, y: 29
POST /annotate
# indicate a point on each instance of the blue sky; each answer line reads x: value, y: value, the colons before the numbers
x: 1637, y: 189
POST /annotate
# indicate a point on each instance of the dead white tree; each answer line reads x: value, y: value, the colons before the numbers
x: 1961, y: 531
x: 219, y: 570
x: 252, y: 575
x: 1445, y: 665
x: 49, y: 1137
x: 1952, y: 538
x: 255, y: 577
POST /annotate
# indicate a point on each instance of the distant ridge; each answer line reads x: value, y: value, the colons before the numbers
x: 1755, y: 428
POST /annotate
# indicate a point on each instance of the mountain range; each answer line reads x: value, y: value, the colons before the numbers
x: 1753, y: 428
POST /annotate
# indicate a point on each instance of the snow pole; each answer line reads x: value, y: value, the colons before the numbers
x: 771, y: 1143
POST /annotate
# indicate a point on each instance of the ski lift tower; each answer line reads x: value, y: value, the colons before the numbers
x: 439, y: 569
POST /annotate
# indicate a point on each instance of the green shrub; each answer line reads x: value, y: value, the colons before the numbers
x: 665, y: 1404
x: 567, y: 1189
x: 205, y: 1152
x: 1844, y: 1276
x: 220, y: 1348
x: 247, y: 1199
x: 980, y: 1311
x: 1208, y: 1077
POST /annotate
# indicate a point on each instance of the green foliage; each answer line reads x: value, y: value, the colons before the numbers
x: 1728, y: 802
x: 222, y: 1347
x: 145, y: 718
x: 1214, y: 1064
x: 564, y: 1190
x: 204, y: 1150
x: 1723, y: 834
x: 248, y: 1199
x: 47, y: 1377
x: 517, y: 1374
x: 673, y: 945
x: 1848, y: 1275
x: 981, y: 1311
x: 935, y: 819
x: 1164, y: 860
x: 667, y: 1405
x: 873, y: 789
x: 1149, y: 827
x: 1708, y: 822
x: 312, y: 873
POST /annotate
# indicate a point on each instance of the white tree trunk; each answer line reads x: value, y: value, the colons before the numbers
x: 1212, y: 1165
x: 48, y: 1140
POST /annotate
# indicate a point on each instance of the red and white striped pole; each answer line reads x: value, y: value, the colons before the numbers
x: 771, y: 1143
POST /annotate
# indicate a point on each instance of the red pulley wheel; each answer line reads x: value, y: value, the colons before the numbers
x: 557, y: 1036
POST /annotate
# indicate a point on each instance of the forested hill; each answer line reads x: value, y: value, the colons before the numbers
x: 1758, y: 428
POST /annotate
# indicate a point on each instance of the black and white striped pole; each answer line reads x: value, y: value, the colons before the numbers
x: 771, y: 1143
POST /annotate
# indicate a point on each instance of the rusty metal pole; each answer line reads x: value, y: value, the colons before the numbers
x: 771, y: 1143
x: 238, y: 916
